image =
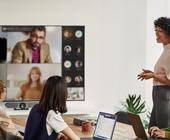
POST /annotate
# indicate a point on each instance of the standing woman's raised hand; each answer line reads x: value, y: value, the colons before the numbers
x: 145, y: 75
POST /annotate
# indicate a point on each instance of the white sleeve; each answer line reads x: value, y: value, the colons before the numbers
x: 55, y: 122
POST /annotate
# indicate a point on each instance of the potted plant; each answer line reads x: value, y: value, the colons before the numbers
x: 136, y: 105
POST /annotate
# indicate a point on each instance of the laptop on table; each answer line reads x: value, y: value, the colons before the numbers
x: 138, y: 127
x: 104, y: 128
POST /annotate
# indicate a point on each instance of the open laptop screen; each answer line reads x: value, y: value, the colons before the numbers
x: 105, y: 126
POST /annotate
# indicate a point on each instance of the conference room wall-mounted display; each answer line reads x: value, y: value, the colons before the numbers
x: 66, y: 48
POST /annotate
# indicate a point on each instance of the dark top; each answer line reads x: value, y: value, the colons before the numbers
x: 36, y: 126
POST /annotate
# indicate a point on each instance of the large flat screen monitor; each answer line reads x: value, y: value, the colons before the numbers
x: 31, y: 54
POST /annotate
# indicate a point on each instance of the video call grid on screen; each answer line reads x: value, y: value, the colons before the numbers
x: 16, y: 74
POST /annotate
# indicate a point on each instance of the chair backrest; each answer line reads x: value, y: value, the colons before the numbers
x: 36, y: 126
x: 122, y: 117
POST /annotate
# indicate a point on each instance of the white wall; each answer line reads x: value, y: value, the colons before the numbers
x: 115, y: 43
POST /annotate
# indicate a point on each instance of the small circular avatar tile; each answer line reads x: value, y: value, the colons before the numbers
x: 67, y: 64
x: 78, y: 34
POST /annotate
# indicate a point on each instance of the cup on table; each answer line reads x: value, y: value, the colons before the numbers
x: 86, y: 126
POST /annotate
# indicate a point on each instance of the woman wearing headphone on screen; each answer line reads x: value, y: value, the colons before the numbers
x: 32, y: 89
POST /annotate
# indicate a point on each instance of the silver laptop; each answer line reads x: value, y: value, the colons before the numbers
x: 138, y: 127
x: 104, y: 128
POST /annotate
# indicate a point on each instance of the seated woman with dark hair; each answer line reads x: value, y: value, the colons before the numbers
x: 45, y: 121
x: 7, y: 128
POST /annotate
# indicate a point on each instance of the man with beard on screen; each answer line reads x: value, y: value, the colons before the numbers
x: 33, y: 50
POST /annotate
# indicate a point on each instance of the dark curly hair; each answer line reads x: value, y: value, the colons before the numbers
x: 164, y: 24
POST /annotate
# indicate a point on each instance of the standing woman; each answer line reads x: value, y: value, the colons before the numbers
x: 32, y: 89
x: 45, y: 121
x: 160, y: 115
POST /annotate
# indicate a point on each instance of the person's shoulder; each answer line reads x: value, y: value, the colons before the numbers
x: 17, y: 46
x: 35, y: 108
x: 24, y: 87
x: 53, y: 114
x: 41, y: 85
x: 45, y: 44
x: 22, y: 42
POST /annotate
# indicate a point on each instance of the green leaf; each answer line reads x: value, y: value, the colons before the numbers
x: 134, y: 104
x: 137, y: 100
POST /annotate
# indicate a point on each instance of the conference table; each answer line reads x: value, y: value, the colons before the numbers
x: 122, y: 131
